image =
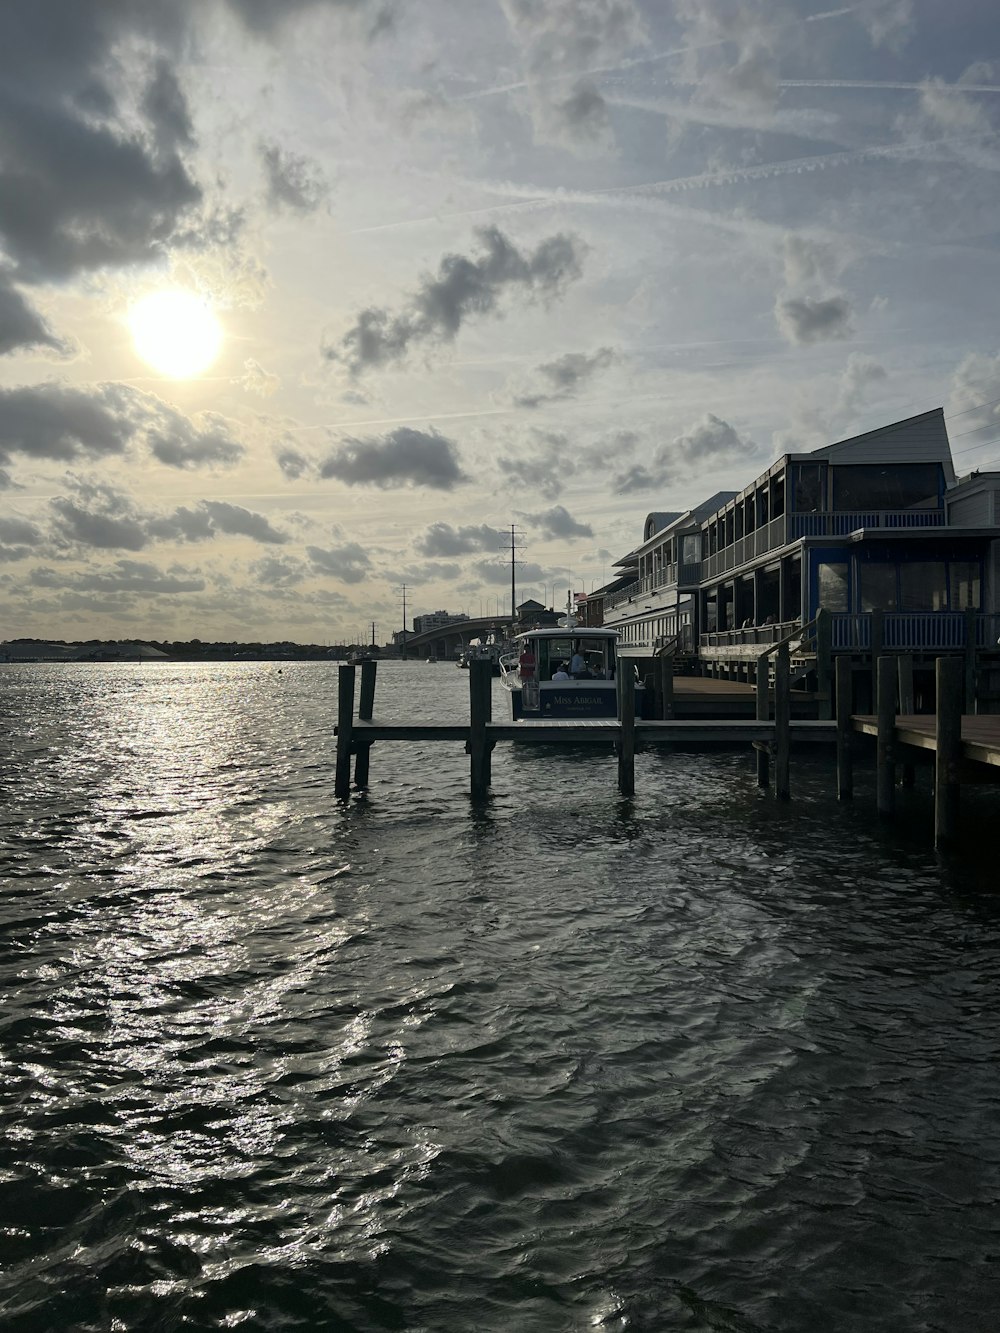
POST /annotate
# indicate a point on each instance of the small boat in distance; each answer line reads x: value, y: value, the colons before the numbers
x: 563, y: 671
x: 489, y: 650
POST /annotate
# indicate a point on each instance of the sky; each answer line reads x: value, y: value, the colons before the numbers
x: 302, y: 301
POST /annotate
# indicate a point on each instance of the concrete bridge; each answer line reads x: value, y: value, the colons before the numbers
x: 447, y: 642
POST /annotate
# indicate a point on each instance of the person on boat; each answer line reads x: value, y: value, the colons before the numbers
x: 578, y: 666
x: 526, y: 662
x: 560, y: 672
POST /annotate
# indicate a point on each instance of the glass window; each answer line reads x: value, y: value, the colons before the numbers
x: 832, y: 586
x: 922, y: 586
x: 808, y: 487
x: 878, y: 587
x: 886, y: 486
x: 965, y: 589
x: 692, y: 548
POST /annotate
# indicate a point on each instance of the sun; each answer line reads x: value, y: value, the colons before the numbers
x: 175, y: 332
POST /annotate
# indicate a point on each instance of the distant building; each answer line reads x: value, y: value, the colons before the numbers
x: 437, y: 620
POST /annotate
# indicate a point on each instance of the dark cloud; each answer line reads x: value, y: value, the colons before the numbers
x: 349, y: 563
x: 96, y: 526
x: 441, y: 539
x: 558, y: 522
x: 710, y: 443
x: 464, y: 287
x: 179, y: 443
x: 62, y: 422
x: 240, y: 522
x: 810, y: 320
x: 264, y: 16
x: 19, y: 531
x: 81, y: 184
x: 278, y: 571
x: 293, y: 181
x: 20, y: 325
x: 539, y: 464
x: 405, y: 457
x: 561, y: 378
x: 292, y: 463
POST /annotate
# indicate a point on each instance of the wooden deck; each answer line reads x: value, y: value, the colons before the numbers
x: 980, y: 734
x: 598, y: 731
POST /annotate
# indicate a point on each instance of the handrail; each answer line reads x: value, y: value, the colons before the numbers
x: 670, y: 647
x: 799, y: 634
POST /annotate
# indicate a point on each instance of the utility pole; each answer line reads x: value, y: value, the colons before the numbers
x: 516, y: 544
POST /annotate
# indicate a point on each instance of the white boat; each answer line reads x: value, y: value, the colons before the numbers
x: 563, y: 671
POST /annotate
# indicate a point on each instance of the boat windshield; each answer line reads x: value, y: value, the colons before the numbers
x: 581, y: 655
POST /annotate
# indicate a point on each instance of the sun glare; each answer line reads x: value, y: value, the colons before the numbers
x: 175, y: 332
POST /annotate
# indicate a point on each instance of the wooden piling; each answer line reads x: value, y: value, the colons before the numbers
x: 626, y: 741
x: 667, y: 686
x: 877, y: 633
x: 366, y: 709
x: 845, y: 765
x: 345, y: 729
x: 763, y: 713
x: 480, y: 713
x: 782, y: 720
x: 885, y: 762
x: 970, y: 662
x: 824, y: 664
x: 907, y: 706
x: 948, y: 739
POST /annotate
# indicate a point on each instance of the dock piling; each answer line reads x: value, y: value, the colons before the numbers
x: 366, y: 709
x: 345, y: 729
x: 667, y: 686
x: 885, y: 762
x: 948, y: 746
x: 845, y: 764
x: 970, y: 662
x: 907, y: 706
x: 480, y: 715
x: 763, y: 713
x: 782, y: 720
x: 824, y: 662
x: 626, y: 740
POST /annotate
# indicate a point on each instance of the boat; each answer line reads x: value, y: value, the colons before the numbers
x: 537, y: 673
x: 491, y: 650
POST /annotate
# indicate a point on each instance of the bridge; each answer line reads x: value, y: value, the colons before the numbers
x: 449, y: 641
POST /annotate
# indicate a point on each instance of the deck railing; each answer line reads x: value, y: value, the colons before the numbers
x: 751, y: 634
x: 903, y: 630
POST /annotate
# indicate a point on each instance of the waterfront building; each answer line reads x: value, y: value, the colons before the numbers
x: 878, y: 525
x: 437, y: 620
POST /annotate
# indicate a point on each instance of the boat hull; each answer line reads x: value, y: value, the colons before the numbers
x: 574, y: 699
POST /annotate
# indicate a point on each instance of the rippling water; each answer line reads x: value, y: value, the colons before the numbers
x: 693, y: 1062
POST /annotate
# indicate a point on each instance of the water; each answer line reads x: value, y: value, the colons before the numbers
x: 693, y: 1062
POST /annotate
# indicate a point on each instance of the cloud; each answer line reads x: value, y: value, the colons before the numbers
x: 942, y: 109
x: 860, y: 373
x: 292, y: 463
x: 255, y: 379
x: 733, y: 50
x: 293, y: 182
x: 560, y: 41
x: 464, y: 287
x: 811, y: 320
x: 124, y: 576
x: 441, y: 539
x: 240, y: 522
x: 887, y: 22
x: 558, y: 522
x: 264, y: 16
x: 708, y: 445
x: 350, y: 563
x: 19, y: 532
x: 21, y: 326
x: 278, y: 571
x: 87, y: 179
x: 975, y: 385
x: 63, y: 422
x: 559, y: 379
x: 99, y: 517
x: 404, y: 457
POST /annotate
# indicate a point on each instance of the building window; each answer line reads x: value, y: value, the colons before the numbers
x: 899, y: 486
x: 878, y: 587
x: 831, y: 582
x: 965, y: 585
x: 808, y: 487
x: 923, y: 586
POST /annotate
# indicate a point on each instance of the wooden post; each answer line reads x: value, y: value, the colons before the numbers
x: 907, y: 706
x: 345, y: 731
x: 480, y: 713
x: 970, y: 662
x: 366, y: 708
x: 885, y: 765
x: 845, y: 766
x: 763, y: 713
x: 824, y: 663
x: 626, y: 741
x: 782, y: 720
x: 948, y: 736
x: 875, y: 647
x: 667, y: 685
